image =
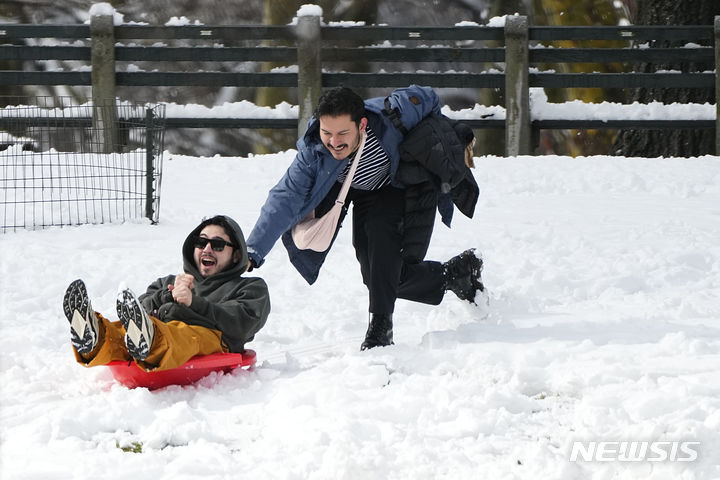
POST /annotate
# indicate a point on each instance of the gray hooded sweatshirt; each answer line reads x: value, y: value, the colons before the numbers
x: 237, y: 306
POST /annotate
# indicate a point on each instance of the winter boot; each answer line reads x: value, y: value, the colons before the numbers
x: 83, y: 321
x: 461, y: 274
x: 139, y: 328
x: 379, y: 332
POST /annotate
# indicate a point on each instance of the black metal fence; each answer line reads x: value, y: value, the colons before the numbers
x: 58, y: 168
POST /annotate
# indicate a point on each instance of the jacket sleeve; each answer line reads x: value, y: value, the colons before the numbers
x: 239, y: 316
x: 434, y: 145
x: 283, y: 207
x: 157, y: 294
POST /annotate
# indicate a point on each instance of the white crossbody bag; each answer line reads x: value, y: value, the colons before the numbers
x: 317, y: 233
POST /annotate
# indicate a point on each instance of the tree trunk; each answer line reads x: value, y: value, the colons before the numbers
x: 680, y: 142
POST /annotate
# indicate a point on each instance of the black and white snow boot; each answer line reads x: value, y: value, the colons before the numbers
x: 139, y: 328
x: 461, y: 275
x: 83, y: 321
x: 379, y: 332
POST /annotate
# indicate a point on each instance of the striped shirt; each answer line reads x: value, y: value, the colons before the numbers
x: 373, y: 170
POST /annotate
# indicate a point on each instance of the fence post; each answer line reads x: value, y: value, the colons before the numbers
x: 149, y: 165
x: 103, y: 81
x: 517, y: 91
x: 717, y: 85
x: 309, y: 68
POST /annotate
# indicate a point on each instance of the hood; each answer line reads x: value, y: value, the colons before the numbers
x: 311, y: 139
x: 236, y: 236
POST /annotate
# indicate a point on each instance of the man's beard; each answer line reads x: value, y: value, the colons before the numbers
x: 342, y: 146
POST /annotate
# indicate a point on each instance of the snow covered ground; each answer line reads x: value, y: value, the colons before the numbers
x: 604, y: 326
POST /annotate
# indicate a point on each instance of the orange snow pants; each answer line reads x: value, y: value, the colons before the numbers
x: 175, y: 343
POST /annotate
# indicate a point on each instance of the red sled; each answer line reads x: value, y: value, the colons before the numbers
x: 132, y: 376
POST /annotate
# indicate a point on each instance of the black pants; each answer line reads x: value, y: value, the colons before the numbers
x: 377, y: 238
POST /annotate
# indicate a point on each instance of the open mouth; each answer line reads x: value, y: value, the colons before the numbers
x: 208, y: 261
x: 339, y: 148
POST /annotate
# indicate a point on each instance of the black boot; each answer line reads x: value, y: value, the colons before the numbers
x: 379, y: 332
x: 461, y: 274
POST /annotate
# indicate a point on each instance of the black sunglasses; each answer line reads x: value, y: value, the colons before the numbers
x: 217, y: 244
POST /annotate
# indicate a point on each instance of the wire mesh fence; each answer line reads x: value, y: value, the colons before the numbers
x: 69, y: 164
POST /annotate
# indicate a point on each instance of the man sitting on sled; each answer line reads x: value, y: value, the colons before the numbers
x: 209, y: 308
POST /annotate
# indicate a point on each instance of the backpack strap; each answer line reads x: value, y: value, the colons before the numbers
x: 394, y: 115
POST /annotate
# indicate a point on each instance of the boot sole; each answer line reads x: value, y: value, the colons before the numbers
x: 79, y: 312
x: 138, y: 326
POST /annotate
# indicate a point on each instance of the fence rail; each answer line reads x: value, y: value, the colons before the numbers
x: 314, y: 49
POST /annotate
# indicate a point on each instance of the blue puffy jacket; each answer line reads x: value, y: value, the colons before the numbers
x: 314, y: 171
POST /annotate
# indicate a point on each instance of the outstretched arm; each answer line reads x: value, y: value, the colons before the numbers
x: 239, y: 314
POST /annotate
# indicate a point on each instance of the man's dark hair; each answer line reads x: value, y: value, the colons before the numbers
x: 341, y: 101
x: 220, y: 221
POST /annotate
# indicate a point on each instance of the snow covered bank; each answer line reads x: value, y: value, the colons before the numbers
x: 604, y: 276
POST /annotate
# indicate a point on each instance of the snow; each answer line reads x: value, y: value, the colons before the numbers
x: 604, y: 281
x: 541, y: 109
x: 242, y: 109
x: 307, y: 10
x: 499, y: 21
x: 104, y: 9
x: 181, y: 21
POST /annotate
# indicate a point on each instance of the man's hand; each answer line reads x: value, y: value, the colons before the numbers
x: 182, y: 289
